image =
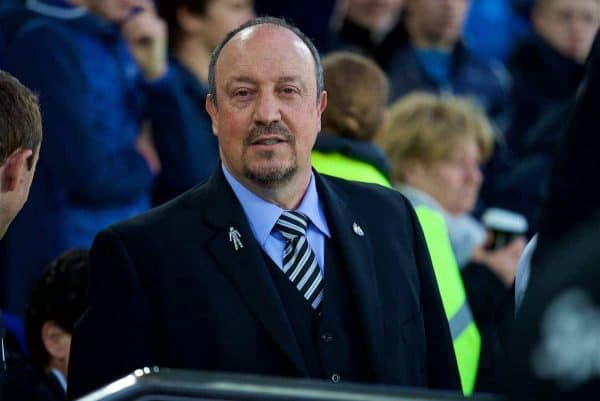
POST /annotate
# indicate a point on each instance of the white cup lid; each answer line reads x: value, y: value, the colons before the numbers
x: 504, y: 220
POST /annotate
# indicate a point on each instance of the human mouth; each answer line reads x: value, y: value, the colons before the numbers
x: 268, y: 142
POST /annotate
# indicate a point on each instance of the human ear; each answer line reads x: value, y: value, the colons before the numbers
x: 211, y: 109
x: 13, y: 169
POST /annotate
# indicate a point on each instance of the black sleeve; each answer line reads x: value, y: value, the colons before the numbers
x: 115, y: 335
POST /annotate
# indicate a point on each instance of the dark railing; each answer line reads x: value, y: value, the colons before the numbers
x: 154, y: 384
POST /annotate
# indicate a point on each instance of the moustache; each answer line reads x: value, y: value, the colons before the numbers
x: 272, y: 129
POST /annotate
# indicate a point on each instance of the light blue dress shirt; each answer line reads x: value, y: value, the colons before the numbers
x: 263, y: 215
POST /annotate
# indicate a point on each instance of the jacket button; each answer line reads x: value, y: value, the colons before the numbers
x: 336, y: 378
x: 326, y: 337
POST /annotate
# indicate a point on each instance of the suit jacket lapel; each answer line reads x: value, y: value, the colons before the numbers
x: 357, y: 256
x: 246, y: 267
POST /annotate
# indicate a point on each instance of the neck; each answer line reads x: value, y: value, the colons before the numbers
x: 195, y: 57
x: 287, y: 196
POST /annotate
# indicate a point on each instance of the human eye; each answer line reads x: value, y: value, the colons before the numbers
x: 241, y: 93
x: 289, y: 90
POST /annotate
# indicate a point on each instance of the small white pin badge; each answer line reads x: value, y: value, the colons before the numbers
x: 357, y: 230
x: 234, y: 236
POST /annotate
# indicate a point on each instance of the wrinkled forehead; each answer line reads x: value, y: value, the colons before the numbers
x: 267, y: 41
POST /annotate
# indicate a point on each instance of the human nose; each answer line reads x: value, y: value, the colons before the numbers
x: 267, y: 109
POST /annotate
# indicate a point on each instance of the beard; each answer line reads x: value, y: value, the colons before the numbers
x: 271, y: 175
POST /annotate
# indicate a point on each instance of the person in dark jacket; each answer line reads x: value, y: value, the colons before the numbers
x: 210, y: 291
x: 187, y: 148
x: 56, y: 302
x: 434, y: 59
x: 371, y: 28
x: 548, y: 67
x: 99, y: 77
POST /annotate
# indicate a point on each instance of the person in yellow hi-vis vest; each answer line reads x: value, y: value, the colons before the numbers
x: 435, y: 146
x: 465, y: 335
x: 357, y: 92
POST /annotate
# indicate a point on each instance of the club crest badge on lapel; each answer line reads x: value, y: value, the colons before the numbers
x: 357, y: 230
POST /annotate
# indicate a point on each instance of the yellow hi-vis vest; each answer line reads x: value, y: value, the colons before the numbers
x: 465, y: 335
x: 342, y: 166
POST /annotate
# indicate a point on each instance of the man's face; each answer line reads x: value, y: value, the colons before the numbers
x: 268, y: 115
x: 374, y: 15
x: 116, y: 10
x: 440, y: 22
x: 569, y: 26
x: 223, y: 16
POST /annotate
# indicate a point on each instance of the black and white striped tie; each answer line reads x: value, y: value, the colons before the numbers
x: 299, y: 261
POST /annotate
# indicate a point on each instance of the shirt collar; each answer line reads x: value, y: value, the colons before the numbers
x: 263, y: 215
x: 61, y: 379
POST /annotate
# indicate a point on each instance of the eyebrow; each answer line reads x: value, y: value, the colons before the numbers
x: 240, y: 79
x: 292, y: 78
x: 282, y: 80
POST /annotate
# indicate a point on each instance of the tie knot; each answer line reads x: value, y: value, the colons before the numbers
x: 292, y: 225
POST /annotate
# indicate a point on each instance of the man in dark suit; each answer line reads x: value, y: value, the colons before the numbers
x: 267, y: 268
x: 556, y: 349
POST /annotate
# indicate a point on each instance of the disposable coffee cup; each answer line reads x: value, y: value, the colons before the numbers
x: 504, y: 225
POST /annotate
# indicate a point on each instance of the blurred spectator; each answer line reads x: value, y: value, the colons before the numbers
x: 548, y: 67
x: 187, y: 147
x: 488, y: 17
x: 435, y: 146
x: 434, y: 59
x: 370, y: 27
x: 98, y: 77
x: 354, y: 117
x: 313, y: 17
x: 55, y: 304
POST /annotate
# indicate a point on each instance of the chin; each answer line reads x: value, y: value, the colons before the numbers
x: 271, y: 176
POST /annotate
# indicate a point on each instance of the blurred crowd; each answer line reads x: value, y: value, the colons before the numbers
x: 458, y: 104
